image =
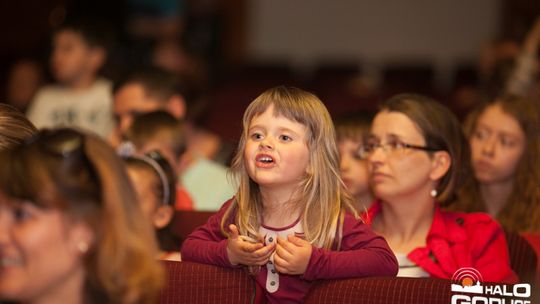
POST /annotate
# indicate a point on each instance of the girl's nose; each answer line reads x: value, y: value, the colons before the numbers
x: 266, y: 144
x: 488, y: 146
x: 4, y: 228
x: 343, y: 164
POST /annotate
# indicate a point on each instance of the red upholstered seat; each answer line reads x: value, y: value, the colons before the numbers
x: 184, y: 222
x: 381, y: 290
x: 198, y: 283
x: 523, y: 259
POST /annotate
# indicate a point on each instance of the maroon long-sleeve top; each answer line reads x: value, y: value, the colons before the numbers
x: 362, y: 253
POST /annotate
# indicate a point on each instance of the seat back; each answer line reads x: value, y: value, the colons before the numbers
x: 523, y: 259
x: 381, y: 290
x: 184, y: 222
x: 195, y: 283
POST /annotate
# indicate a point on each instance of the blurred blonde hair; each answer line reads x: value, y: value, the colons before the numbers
x: 322, y: 197
x: 14, y: 127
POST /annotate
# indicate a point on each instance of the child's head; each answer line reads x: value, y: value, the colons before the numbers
x: 79, y: 52
x: 155, y: 183
x: 145, y: 91
x: 159, y: 131
x: 352, y: 131
x: 504, y: 139
x: 25, y: 77
x: 288, y: 142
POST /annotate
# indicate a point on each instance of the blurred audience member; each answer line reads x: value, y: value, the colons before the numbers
x: 524, y: 80
x: 504, y: 136
x: 69, y: 232
x: 352, y: 132
x: 155, y: 89
x: 145, y: 91
x: 25, y: 77
x: 80, y: 98
x: 160, y: 131
x: 154, y: 181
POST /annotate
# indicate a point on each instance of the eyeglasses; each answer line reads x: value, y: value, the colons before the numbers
x: 390, y: 148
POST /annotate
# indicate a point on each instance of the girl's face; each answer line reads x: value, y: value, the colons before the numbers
x: 497, y: 144
x: 354, y: 171
x: 40, y: 252
x: 395, y: 173
x: 145, y: 185
x: 276, y: 154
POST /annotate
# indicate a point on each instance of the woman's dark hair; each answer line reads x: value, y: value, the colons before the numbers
x: 442, y: 131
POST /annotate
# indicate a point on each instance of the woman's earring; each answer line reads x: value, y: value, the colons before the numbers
x: 433, y: 193
x: 83, y: 247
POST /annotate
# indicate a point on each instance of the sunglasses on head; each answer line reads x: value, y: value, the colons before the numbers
x: 62, y: 142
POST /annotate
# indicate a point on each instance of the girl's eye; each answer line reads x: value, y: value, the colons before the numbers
x: 480, y: 134
x: 506, y: 142
x: 256, y: 136
x: 285, y: 138
x: 20, y: 213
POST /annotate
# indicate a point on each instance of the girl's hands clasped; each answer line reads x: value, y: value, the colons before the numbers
x: 247, y: 252
x: 292, y: 255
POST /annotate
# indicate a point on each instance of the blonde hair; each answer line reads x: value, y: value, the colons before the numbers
x: 322, y: 198
x: 89, y: 184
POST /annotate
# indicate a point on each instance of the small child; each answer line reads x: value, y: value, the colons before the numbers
x: 352, y: 131
x: 80, y: 98
x: 160, y: 131
x: 291, y: 221
x: 154, y: 181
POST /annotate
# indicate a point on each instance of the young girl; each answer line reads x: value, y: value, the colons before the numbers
x: 69, y: 232
x: 505, y: 142
x: 352, y: 131
x: 290, y: 221
x: 416, y: 157
x: 154, y: 181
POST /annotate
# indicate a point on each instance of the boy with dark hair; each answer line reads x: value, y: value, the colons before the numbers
x: 162, y: 132
x: 80, y: 98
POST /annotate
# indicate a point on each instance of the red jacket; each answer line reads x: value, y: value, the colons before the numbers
x: 457, y: 240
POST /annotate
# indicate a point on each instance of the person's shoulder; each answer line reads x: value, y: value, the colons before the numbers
x: 468, y: 221
x: 353, y: 222
x: 50, y: 89
x: 102, y: 83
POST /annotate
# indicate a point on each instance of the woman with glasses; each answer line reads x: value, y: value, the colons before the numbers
x: 416, y: 156
x: 69, y: 232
